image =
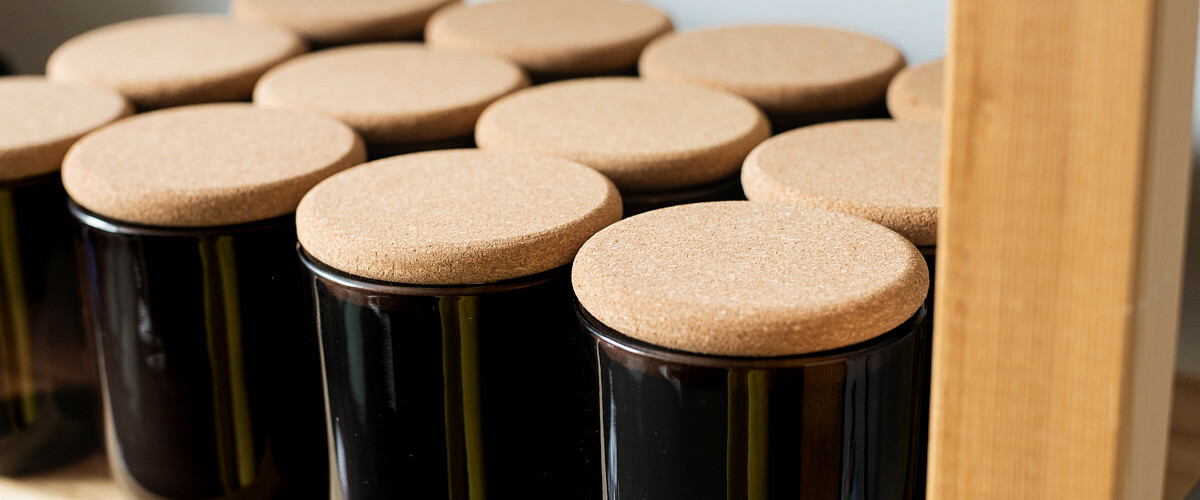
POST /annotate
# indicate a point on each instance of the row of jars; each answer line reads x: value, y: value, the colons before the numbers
x: 269, y: 316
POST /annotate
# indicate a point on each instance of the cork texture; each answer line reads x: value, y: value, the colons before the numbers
x: 207, y: 165
x: 342, y: 21
x: 455, y: 217
x: 174, y: 60
x: 642, y: 135
x: 882, y: 170
x: 740, y: 278
x: 43, y: 119
x: 785, y: 70
x: 916, y: 93
x: 393, y: 92
x: 552, y: 36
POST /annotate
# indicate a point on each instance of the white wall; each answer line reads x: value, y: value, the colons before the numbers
x: 30, y: 29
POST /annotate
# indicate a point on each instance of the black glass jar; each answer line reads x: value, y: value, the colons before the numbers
x: 175, y: 60
x: 662, y: 144
x: 837, y: 424
x: 401, y: 97
x: 798, y: 75
x: 883, y: 170
x: 456, y: 391
x: 754, y: 350
x: 553, y: 41
x: 727, y: 189
x: 209, y: 359
x: 326, y: 25
x: 49, y: 403
x: 452, y: 357
x: 48, y: 399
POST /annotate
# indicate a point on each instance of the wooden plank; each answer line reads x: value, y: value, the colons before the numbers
x: 1060, y: 251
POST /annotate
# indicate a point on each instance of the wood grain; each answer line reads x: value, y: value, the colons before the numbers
x: 1061, y: 247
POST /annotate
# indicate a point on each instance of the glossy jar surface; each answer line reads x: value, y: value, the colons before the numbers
x: 636, y: 202
x: 839, y: 424
x: 456, y: 391
x: 48, y: 398
x: 208, y: 359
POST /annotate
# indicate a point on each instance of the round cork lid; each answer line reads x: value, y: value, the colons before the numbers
x: 43, y: 119
x: 740, y: 278
x: 455, y: 217
x: 882, y: 170
x: 642, y: 135
x: 174, y: 60
x: 342, y: 21
x: 916, y: 93
x: 785, y: 70
x: 393, y: 92
x: 207, y: 165
x: 552, y: 36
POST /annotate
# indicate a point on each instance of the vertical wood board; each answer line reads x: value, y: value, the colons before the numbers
x: 1060, y: 251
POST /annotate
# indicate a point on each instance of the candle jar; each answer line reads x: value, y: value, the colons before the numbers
x: 553, y: 40
x: 49, y: 411
x: 401, y: 97
x: 798, y: 75
x: 451, y: 354
x: 721, y: 377
x: 166, y: 61
x: 328, y: 24
x: 660, y: 143
x: 883, y: 170
x: 209, y: 363
x: 916, y: 93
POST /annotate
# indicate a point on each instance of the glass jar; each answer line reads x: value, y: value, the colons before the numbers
x: 326, y: 24
x: 209, y: 362
x: 401, y: 97
x: 552, y: 40
x: 754, y: 350
x: 828, y: 425
x: 452, y: 358
x: 798, y: 75
x: 883, y: 170
x: 49, y: 405
x: 456, y: 392
x: 176, y: 60
x: 660, y: 143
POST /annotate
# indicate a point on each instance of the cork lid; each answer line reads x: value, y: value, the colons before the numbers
x: 207, y: 165
x: 455, y: 217
x: 342, y: 21
x: 552, y: 36
x: 882, y: 170
x: 43, y: 119
x: 393, y: 92
x: 738, y: 278
x: 174, y: 60
x: 916, y: 93
x: 642, y: 135
x: 785, y: 70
